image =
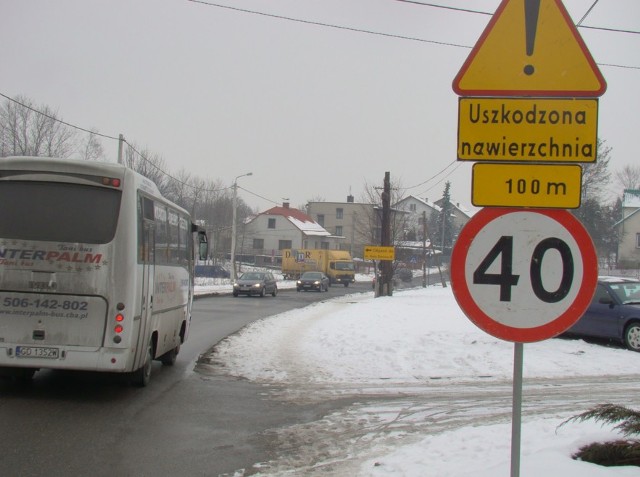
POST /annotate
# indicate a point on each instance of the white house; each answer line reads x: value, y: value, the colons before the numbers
x: 279, y: 228
x: 629, y: 228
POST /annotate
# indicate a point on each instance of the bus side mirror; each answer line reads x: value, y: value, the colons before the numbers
x: 203, y: 245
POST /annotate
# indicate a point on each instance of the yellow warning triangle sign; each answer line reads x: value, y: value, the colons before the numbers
x: 530, y: 48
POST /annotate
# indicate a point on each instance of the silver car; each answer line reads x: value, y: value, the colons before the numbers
x: 255, y: 283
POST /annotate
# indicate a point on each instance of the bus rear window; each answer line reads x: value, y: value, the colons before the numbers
x: 58, y: 212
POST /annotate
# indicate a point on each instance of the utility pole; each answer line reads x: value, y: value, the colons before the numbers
x: 386, y: 282
x: 233, y: 224
x: 424, y: 249
x: 120, y: 144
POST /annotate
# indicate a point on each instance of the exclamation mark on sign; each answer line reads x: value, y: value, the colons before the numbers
x: 531, y: 11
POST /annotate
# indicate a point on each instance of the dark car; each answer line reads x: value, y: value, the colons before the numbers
x: 211, y: 271
x: 313, y: 281
x: 255, y: 283
x: 614, y: 313
x: 404, y: 274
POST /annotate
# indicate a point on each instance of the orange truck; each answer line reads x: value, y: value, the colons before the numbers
x: 336, y: 264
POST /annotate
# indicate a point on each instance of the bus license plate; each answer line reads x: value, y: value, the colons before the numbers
x: 36, y: 352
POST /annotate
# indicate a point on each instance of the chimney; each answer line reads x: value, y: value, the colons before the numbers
x: 350, y: 198
x: 285, y: 205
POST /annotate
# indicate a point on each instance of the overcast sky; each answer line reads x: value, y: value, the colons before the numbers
x: 312, y: 111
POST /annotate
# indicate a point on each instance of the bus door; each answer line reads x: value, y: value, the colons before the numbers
x: 147, y: 245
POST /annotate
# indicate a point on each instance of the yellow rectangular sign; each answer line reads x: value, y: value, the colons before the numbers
x: 526, y: 185
x: 372, y: 252
x: 527, y: 129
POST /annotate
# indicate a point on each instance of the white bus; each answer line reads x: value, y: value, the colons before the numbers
x: 96, y: 269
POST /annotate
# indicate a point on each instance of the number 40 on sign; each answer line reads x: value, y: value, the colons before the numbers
x: 523, y: 275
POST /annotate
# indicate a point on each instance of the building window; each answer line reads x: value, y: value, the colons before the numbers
x: 412, y: 207
x: 272, y: 224
x: 284, y: 244
x: 321, y: 220
x: 339, y: 213
x: 258, y: 244
x: 339, y: 230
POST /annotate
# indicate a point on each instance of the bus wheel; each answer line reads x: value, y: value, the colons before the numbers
x: 142, y: 376
x: 169, y: 358
x: 18, y: 375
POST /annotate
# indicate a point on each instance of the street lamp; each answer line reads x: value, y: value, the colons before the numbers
x: 233, y: 224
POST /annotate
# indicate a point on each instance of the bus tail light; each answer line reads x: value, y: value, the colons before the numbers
x: 118, y: 328
x: 111, y: 181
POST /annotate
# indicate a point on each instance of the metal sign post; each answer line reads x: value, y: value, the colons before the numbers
x: 516, y: 413
x: 528, y: 96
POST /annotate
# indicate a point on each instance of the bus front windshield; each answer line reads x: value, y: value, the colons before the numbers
x: 58, y: 212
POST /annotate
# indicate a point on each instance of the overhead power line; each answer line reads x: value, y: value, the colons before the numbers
x: 587, y: 13
x: 158, y: 168
x: 341, y: 27
x: 106, y: 136
x: 402, y: 37
x: 432, y: 177
x: 444, y: 7
x: 56, y: 119
x: 327, y: 25
x: 259, y: 196
x: 616, y: 30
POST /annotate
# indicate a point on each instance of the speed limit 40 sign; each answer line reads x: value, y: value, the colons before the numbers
x: 524, y: 275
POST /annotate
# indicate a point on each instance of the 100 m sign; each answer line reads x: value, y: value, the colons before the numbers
x: 527, y: 185
x: 523, y: 275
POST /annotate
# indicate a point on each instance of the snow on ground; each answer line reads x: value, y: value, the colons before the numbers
x: 358, y: 344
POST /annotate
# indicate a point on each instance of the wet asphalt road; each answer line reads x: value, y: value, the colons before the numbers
x: 184, y: 422
x: 195, y: 423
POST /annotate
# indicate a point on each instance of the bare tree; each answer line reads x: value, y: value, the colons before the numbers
x: 91, y: 148
x: 596, y: 215
x: 596, y: 175
x: 27, y: 130
x: 179, y: 189
x: 370, y: 226
x: 150, y: 165
x: 629, y: 177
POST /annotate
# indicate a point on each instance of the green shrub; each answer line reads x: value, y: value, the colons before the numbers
x: 614, y: 453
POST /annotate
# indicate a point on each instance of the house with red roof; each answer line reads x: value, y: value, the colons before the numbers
x: 283, y: 227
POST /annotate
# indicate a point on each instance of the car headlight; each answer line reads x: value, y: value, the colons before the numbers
x: 257, y: 285
x: 317, y: 282
x: 299, y: 282
x: 235, y: 285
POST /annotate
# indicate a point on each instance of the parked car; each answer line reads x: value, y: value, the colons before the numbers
x: 255, y: 283
x: 614, y: 313
x: 404, y: 274
x: 313, y: 281
x: 211, y: 271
